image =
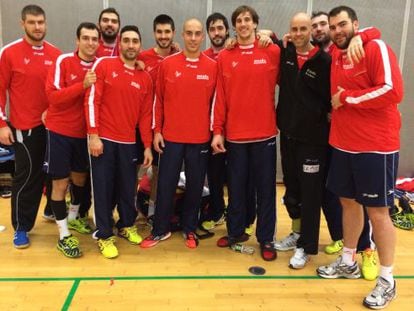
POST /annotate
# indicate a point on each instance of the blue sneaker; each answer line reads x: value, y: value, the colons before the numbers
x: 21, y: 239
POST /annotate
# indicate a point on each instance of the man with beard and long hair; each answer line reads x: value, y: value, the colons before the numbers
x: 119, y: 101
x: 24, y: 64
x: 109, y: 23
x: 365, y: 136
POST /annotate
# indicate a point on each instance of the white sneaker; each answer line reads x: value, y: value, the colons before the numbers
x: 299, y: 259
x: 288, y: 242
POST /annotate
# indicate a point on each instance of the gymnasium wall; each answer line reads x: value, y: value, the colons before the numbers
x: 395, y: 19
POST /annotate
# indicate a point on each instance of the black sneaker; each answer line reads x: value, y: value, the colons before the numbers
x: 69, y: 246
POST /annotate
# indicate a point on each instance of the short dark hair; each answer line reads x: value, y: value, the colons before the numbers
x: 217, y: 17
x: 337, y: 10
x: 242, y: 9
x: 163, y: 19
x: 32, y: 9
x: 86, y: 25
x: 109, y: 10
x: 130, y: 28
x: 318, y: 13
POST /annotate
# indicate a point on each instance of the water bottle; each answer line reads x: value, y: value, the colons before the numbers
x: 240, y: 248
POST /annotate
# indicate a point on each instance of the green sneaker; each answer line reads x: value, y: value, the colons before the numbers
x: 249, y: 230
x: 369, y: 266
x: 410, y: 217
x: 69, y: 246
x: 108, y: 248
x: 80, y: 225
x: 401, y: 221
x: 131, y: 234
x: 334, y: 248
x: 211, y: 224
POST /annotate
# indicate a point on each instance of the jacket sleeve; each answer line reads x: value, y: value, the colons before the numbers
x: 146, y: 115
x: 158, y: 106
x: 5, y: 76
x: 218, y: 110
x: 92, y: 102
x: 387, y: 83
x: 369, y: 33
x: 56, y: 90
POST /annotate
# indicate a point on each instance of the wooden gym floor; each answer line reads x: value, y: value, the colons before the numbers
x: 172, y: 277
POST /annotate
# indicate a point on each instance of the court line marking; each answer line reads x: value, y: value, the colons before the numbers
x: 77, y: 280
x: 70, y: 296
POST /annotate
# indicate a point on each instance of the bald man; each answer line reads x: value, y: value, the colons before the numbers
x: 184, y: 91
x: 302, y: 117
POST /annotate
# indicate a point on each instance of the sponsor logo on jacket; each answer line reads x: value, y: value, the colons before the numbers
x: 261, y: 61
x: 203, y: 77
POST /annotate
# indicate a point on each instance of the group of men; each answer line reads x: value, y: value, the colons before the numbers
x: 84, y: 112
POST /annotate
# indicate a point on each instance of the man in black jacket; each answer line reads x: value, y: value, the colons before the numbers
x: 302, y: 117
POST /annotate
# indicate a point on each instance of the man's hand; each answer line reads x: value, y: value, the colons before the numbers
x: 95, y: 145
x: 147, y: 158
x: 230, y: 43
x: 355, y: 51
x: 286, y: 38
x: 335, y: 100
x: 139, y: 65
x: 43, y: 117
x: 175, y: 47
x: 218, y: 144
x: 159, y: 143
x: 6, y: 136
x: 90, y: 78
x: 263, y: 35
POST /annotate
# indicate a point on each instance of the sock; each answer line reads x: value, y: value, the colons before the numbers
x: 386, y: 273
x: 348, y: 256
x: 151, y: 208
x: 63, y: 228
x: 73, y: 211
x: 296, y: 225
x: 296, y: 235
x: 76, y: 194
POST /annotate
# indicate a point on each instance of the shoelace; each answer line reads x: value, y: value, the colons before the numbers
x: 72, y: 242
x: 108, y: 241
x: 379, y: 289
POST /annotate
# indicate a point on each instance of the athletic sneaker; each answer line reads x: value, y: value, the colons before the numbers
x: 69, y: 246
x: 268, y: 251
x: 191, y: 240
x: 80, y: 225
x: 401, y: 221
x: 249, y: 230
x: 338, y: 269
x: 369, y: 267
x: 225, y: 241
x: 131, y: 234
x: 21, y: 239
x: 211, y: 224
x: 49, y: 217
x: 381, y: 296
x: 334, y: 248
x: 299, y: 259
x: 288, y: 242
x: 108, y: 248
x: 153, y: 240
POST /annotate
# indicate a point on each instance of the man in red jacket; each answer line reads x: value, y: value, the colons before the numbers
x: 365, y: 137
x: 185, y: 87
x: 119, y: 101
x: 109, y: 23
x: 67, y: 153
x: 24, y: 64
x: 244, y: 114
